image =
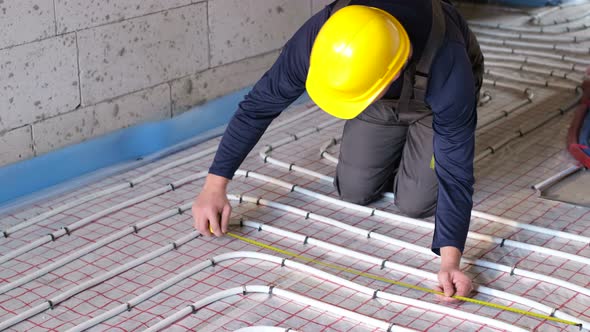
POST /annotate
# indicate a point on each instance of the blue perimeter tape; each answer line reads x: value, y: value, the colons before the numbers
x: 126, y: 148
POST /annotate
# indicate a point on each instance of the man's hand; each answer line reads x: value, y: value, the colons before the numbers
x: 211, y: 209
x: 452, y: 281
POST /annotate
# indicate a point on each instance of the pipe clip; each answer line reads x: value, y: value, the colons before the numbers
x: 390, y: 328
x: 375, y: 293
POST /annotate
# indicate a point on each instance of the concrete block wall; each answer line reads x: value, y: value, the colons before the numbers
x: 71, y: 70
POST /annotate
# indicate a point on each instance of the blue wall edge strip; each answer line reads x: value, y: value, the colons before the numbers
x: 62, y: 170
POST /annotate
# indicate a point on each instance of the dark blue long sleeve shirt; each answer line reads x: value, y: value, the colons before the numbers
x: 451, y: 96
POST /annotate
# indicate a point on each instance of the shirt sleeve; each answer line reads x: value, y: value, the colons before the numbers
x: 282, y: 84
x: 454, y: 108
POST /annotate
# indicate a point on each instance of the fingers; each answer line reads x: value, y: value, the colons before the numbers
x: 214, y: 222
x: 225, y: 214
x: 446, y: 284
x: 463, y: 288
x: 200, y: 221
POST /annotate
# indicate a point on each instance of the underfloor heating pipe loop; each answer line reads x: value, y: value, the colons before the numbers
x: 538, y: 20
x: 67, y: 230
x: 555, y: 178
x: 542, y: 30
x: 385, y: 263
x: 574, y: 77
x: 538, y: 46
x: 92, y: 247
x: 334, y: 141
x: 540, y: 83
x: 138, y: 180
x: 523, y: 131
x: 203, y: 265
x: 531, y: 37
x: 420, y: 223
x: 422, y: 250
x: 538, y: 16
x: 572, y: 68
x: 55, y: 301
x: 275, y: 291
x: 547, y: 55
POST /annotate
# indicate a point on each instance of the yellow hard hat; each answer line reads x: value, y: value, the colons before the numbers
x: 355, y: 56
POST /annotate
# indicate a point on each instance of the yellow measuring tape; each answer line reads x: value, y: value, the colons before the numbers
x: 399, y: 283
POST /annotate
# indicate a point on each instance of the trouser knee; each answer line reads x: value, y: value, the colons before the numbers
x: 416, y: 208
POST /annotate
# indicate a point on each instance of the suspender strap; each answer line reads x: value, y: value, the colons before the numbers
x: 435, y: 40
x: 339, y: 5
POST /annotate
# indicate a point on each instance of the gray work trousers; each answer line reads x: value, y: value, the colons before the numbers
x: 384, y: 151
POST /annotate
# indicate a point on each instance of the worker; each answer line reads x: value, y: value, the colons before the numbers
x: 405, y: 75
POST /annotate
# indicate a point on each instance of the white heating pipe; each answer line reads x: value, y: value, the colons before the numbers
x: 67, y: 230
x: 574, y: 77
x: 525, y: 36
x: 485, y: 97
x: 541, y: 30
x: 94, y: 246
x: 541, y: 83
x: 538, y: 16
x: 538, y: 19
x: 546, y: 55
x: 136, y: 181
x: 557, y: 177
x: 535, y: 61
x: 272, y: 290
x: 415, y: 222
x: 538, y: 46
x: 384, y: 262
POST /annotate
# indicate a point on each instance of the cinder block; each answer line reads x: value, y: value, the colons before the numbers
x: 317, y: 5
x: 38, y: 80
x: 74, y: 15
x: 146, y: 105
x: 16, y: 145
x: 216, y: 82
x: 135, y: 54
x: 243, y: 28
x: 25, y: 20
